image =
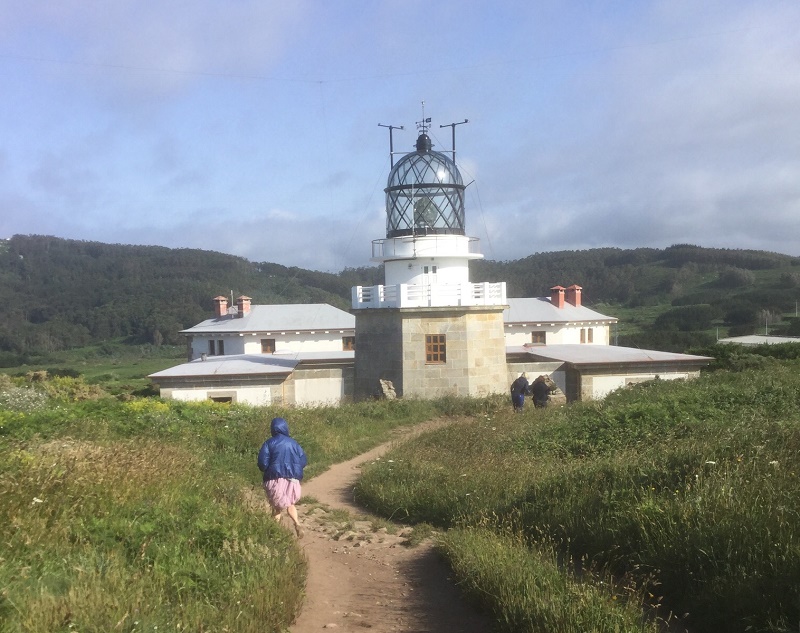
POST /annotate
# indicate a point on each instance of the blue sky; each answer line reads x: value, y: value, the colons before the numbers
x: 250, y: 127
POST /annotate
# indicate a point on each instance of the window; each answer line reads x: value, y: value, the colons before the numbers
x: 348, y: 343
x: 590, y: 335
x: 538, y: 338
x: 221, y: 348
x: 583, y: 335
x: 435, y: 349
x: 267, y: 345
x: 212, y: 348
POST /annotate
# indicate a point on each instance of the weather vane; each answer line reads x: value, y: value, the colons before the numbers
x: 423, y: 125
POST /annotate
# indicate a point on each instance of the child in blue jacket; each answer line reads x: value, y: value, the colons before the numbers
x: 282, y: 461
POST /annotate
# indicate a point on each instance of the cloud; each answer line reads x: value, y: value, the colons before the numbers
x: 251, y: 127
x: 129, y: 49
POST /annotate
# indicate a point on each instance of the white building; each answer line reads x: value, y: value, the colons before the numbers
x: 271, y: 329
x: 298, y: 354
x: 428, y: 330
x: 560, y: 319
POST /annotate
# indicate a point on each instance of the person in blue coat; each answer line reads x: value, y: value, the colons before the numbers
x: 282, y: 461
x: 518, y: 390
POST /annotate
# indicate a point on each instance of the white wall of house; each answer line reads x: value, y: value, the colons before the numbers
x: 250, y: 343
x: 603, y: 385
x: 325, y: 390
x: 255, y: 396
x: 517, y: 335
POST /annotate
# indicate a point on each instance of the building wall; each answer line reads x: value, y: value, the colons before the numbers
x: 379, y: 351
x: 255, y: 396
x: 391, y: 345
x: 306, y: 386
x: 324, y: 386
x: 597, y: 387
x: 554, y: 369
x: 250, y: 343
x: 557, y: 335
x: 448, y: 271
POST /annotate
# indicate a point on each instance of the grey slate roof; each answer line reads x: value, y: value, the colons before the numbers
x: 279, y: 318
x: 540, y: 310
x: 248, y: 364
x: 607, y: 355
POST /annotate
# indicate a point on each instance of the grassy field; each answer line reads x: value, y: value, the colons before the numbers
x: 683, y: 497
x: 120, y: 368
x: 131, y: 513
x: 134, y: 514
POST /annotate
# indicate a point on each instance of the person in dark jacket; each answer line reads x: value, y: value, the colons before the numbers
x: 282, y: 461
x: 540, y: 391
x: 518, y: 390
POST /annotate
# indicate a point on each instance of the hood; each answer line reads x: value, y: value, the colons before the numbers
x: 279, y: 426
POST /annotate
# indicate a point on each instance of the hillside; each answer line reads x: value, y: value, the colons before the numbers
x: 58, y: 294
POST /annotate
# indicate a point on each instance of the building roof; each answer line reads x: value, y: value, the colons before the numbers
x: 279, y: 318
x: 248, y: 364
x: 584, y: 355
x: 541, y: 310
x: 756, y: 339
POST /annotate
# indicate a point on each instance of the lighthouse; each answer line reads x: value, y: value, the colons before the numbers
x: 428, y: 329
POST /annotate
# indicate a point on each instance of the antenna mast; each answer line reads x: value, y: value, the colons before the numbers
x: 391, y: 142
x: 453, y: 127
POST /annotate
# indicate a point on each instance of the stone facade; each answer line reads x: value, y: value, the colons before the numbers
x: 391, y: 345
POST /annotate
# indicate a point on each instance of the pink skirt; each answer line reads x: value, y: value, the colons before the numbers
x: 282, y: 493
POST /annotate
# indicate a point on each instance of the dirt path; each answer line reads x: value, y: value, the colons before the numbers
x: 360, y: 579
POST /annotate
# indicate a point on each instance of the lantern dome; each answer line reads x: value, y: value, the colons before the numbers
x: 424, y: 194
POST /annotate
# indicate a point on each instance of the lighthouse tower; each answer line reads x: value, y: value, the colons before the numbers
x: 428, y: 330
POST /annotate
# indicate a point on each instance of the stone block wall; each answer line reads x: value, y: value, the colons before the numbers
x: 391, y: 345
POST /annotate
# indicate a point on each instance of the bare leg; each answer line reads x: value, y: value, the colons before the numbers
x: 292, y: 512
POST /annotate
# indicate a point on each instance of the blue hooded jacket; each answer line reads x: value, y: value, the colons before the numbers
x: 281, y: 457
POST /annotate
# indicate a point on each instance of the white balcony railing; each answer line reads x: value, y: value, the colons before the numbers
x: 435, y: 295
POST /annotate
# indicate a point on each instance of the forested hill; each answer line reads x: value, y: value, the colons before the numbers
x: 58, y: 294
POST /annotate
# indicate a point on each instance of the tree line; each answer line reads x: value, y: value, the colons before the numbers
x: 58, y: 294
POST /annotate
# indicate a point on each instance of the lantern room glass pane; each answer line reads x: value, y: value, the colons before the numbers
x: 424, y: 194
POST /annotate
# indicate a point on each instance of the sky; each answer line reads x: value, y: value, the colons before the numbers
x: 253, y: 127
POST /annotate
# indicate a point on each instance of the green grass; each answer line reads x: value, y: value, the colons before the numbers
x: 136, y: 535
x: 670, y: 497
x: 135, y: 513
x: 688, y: 490
x: 527, y: 590
x: 118, y: 367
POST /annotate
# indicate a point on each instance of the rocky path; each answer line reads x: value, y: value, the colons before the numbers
x: 366, y: 579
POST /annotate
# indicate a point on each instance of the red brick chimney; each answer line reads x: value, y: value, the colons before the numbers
x: 574, y: 295
x: 242, y: 306
x: 557, y: 296
x: 220, y: 306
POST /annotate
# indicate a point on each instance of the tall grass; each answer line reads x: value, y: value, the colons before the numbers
x: 527, y: 590
x: 133, y: 514
x: 133, y: 536
x: 688, y: 489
